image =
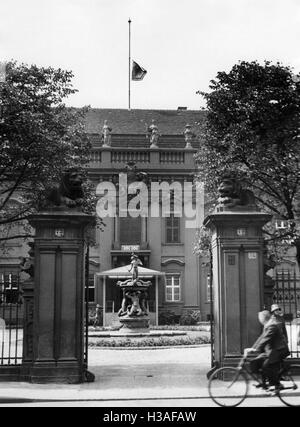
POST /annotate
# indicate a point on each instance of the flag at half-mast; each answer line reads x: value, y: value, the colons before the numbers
x: 2, y: 72
x: 138, y: 72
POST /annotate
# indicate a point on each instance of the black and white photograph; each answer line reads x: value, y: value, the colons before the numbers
x: 149, y: 206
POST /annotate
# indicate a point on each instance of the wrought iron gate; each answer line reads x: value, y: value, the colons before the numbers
x: 11, y: 320
x: 287, y: 296
x: 211, y: 318
x: 86, y: 306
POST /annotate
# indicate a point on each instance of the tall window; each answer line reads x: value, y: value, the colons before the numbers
x: 208, y: 288
x: 130, y: 230
x: 172, y: 229
x: 173, y: 287
x: 90, y: 291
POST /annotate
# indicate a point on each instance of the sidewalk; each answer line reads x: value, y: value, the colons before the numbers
x: 128, y: 374
x: 173, y: 374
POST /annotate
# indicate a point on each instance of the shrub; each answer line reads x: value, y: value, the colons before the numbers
x: 203, y: 326
x: 191, y: 317
x: 150, y: 342
x: 167, y: 317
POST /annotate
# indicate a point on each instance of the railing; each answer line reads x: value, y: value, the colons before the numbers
x: 287, y: 296
x: 11, y: 319
x: 96, y: 156
x: 177, y: 157
x: 130, y: 156
x: 125, y: 155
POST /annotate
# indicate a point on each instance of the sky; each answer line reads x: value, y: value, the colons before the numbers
x: 181, y: 43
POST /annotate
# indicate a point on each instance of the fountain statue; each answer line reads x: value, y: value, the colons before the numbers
x: 134, y: 313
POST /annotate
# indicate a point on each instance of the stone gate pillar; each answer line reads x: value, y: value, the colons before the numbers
x: 238, y: 277
x: 58, y: 337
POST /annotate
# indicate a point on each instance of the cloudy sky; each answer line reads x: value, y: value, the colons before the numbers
x: 181, y: 43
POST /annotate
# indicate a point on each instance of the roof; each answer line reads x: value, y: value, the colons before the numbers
x: 122, y: 121
x: 123, y: 272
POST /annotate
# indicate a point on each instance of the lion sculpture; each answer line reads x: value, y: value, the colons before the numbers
x: 68, y: 193
x: 232, y: 195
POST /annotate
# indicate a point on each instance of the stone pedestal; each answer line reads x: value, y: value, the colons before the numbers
x: 238, y: 278
x: 131, y: 325
x: 58, y: 332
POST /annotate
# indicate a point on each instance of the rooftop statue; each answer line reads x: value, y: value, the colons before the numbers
x: 106, y: 135
x: 188, y: 136
x: 154, y: 135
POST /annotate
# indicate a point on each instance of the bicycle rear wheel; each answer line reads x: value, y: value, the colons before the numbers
x: 228, y: 387
x: 290, y: 395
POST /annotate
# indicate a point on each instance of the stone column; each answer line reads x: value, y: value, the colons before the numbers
x: 238, y: 276
x: 58, y: 343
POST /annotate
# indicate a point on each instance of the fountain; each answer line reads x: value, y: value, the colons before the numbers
x: 134, y: 313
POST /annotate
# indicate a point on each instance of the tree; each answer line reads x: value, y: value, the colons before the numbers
x: 39, y: 138
x: 252, y: 128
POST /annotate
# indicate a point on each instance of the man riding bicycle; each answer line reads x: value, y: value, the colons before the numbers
x: 272, y: 347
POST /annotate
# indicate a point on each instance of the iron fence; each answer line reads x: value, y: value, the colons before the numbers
x: 11, y: 319
x: 287, y: 296
x: 86, y: 305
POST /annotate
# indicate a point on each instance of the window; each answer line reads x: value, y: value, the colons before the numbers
x: 284, y: 272
x: 9, y: 288
x: 208, y: 288
x: 172, y: 229
x: 130, y: 230
x: 281, y: 224
x: 90, y: 292
x: 173, y: 288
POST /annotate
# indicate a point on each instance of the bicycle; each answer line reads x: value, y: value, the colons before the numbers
x: 229, y: 386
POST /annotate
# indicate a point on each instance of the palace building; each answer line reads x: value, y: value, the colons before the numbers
x: 152, y: 146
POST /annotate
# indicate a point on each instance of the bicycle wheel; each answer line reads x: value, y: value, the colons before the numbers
x: 290, y: 395
x: 228, y: 387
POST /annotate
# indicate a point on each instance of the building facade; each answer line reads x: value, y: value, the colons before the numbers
x: 151, y: 146
x: 154, y: 146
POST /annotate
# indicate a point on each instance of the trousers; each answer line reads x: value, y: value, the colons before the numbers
x: 270, y: 367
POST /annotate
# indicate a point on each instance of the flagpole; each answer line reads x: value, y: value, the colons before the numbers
x: 129, y: 66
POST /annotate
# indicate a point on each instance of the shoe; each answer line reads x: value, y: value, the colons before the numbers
x: 276, y: 388
x: 261, y: 385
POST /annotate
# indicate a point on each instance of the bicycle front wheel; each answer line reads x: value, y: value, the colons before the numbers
x: 290, y: 394
x: 228, y: 387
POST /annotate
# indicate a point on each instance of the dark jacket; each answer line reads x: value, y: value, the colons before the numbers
x: 273, y: 342
x: 280, y: 319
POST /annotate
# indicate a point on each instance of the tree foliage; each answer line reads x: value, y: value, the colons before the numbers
x: 252, y: 128
x: 39, y: 138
